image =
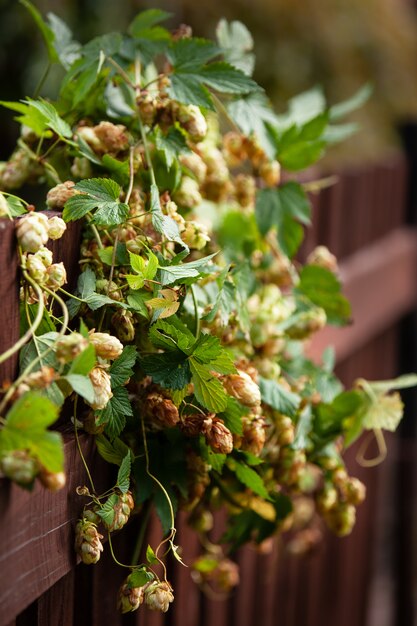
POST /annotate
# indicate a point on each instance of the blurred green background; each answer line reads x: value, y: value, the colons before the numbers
x: 339, y: 44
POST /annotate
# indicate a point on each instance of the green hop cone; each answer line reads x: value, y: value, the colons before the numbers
x: 32, y: 231
x: 70, y: 346
x: 20, y: 467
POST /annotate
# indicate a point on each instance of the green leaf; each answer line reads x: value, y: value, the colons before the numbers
x: 236, y: 43
x: 252, y: 113
x: 323, y: 289
x: 330, y: 417
x: 355, y: 102
x: 84, y: 362
x: 232, y: 416
x: 277, y: 396
x: 81, y: 385
x: 192, y: 52
x: 279, y: 208
x: 42, y: 342
x: 249, y: 477
x: 97, y: 193
x: 209, y: 350
x: 402, y: 382
x: 172, y: 144
x: 384, y: 411
x: 106, y: 512
x: 207, y: 388
x: 171, y: 273
x: 122, y: 368
x: 15, y: 206
x: 137, y: 302
x: 115, y: 413
x: 146, y: 19
x: 123, y: 475
x: 162, y: 223
x: 25, y: 429
x: 112, y: 452
x: 40, y: 116
x: 172, y: 335
x: 139, y: 577
x: 303, y: 429
x: 85, y: 71
x: 171, y: 370
x: 66, y: 48
x: 46, y: 31
x: 150, y: 556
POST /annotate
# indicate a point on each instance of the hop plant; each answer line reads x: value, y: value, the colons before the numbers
x: 158, y: 596
x: 88, y: 542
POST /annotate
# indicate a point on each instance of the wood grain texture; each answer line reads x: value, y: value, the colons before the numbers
x: 37, y: 532
x: 9, y: 298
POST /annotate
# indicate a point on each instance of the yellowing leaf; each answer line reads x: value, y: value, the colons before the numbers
x: 385, y: 412
x: 168, y: 304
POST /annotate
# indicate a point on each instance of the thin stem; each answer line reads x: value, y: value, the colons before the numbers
x: 31, y: 331
x: 11, y: 195
x: 225, y: 112
x: 70, y: 295
x: 42, y: 80
x: 382, y: 449
x: 128, y: 194
x: 77, y: 439
x: 122, y: 72
x: 95, y: 231
x: 114, y: 556
x: 197, y: 317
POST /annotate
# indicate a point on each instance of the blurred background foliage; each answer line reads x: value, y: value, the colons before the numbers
x: 339, y: 44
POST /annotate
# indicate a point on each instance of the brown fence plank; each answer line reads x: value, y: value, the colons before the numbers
x: 36, y: 532
x: 9, y: 294
x: 367, y: 275
x: 56, y: 606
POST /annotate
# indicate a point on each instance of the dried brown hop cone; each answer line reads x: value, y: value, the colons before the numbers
x: 88, y: 542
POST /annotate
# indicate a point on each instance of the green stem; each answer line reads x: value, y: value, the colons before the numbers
x: 42, y: 80
x: 114, y: 556
x: 70, y: 295
x: 95, y: 231
x: 197, y: 318
x: 122, y: 72
x: 31, y: 331
x: 80, y: 452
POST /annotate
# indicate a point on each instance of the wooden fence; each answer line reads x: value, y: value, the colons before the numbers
x: 363, y: 221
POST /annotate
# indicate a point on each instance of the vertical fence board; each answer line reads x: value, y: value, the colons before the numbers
x: 9, y: 297
x: 56, y: 606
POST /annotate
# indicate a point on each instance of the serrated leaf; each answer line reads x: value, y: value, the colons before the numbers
x: 82, y: 385
x: 171, y: 370
x: 236, y: 43
x: 171, y: 144
x: 137, y: 302
x: 277, y: 396
x: 208, y: 350
x: 207, y: 388
x: 172, y: 335
x: 51, y: 117
x: 106, y: 512
x: 112, y: 452
x: 164, y: 306
x: 386, y: 412
x: 101, y: 195
x: 150, y: 556
x: 123, y: 475
x: 249, y: 477
x: 162, y: 223
x: 252, y: 113
x: 67, y: 49
x: 280, y: 208
x: 323, y: 289
x: 122, y: 368
x: 115, y: 413
x: 232, y: 416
